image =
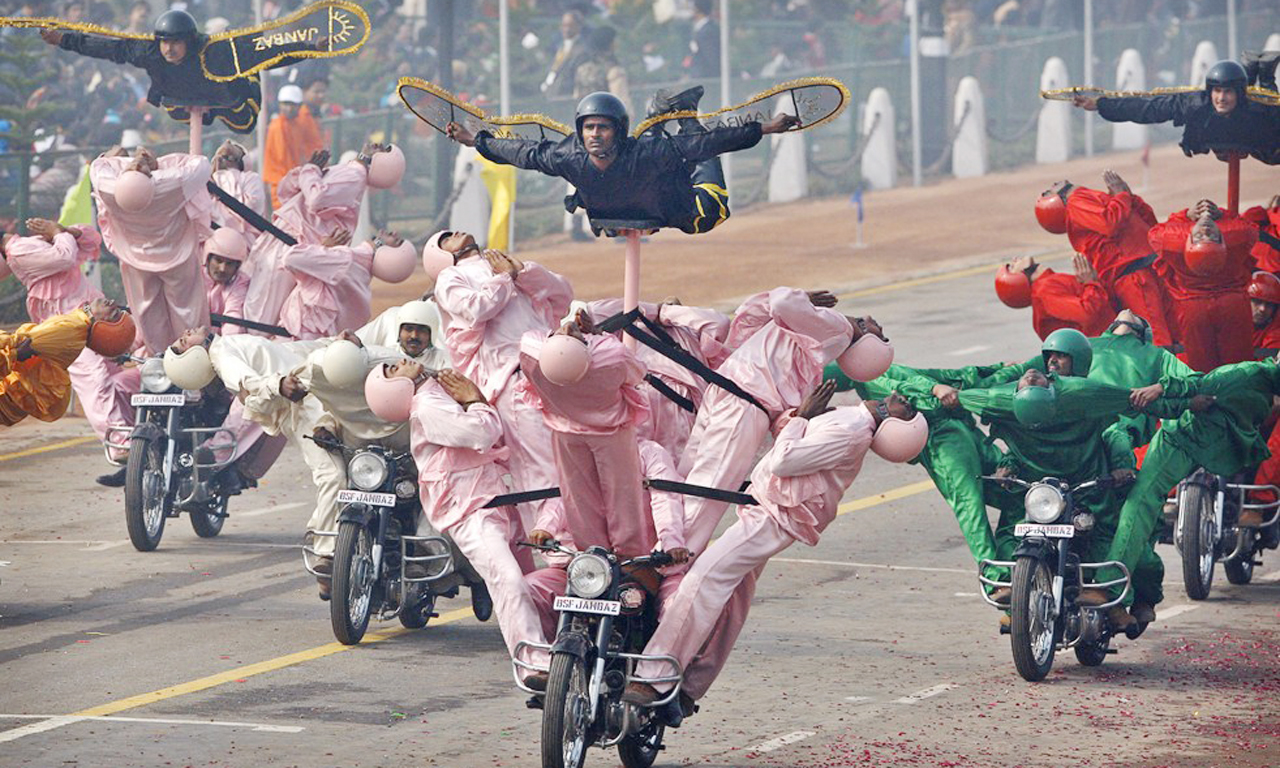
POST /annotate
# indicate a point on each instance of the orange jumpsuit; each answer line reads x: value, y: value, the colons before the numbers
x: 1111, y: 232
x: 1211, y: 311
x: 1059, y: 300
x: 290, y: 143
x: 40, y: 386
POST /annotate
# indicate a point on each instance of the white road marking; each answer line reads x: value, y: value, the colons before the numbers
x: 268, y: 510
x: 104, y: 545
x: 50, y: 722
x: 967, y: 350
x: 857, y: 699
x: 782, y: 741
x: 1268, y: 577
x: 926, y: 693
x: 1176, y: 610
x: 968, y: 594
x: 868, y: 565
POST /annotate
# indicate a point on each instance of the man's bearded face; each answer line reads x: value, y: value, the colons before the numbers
x: 105, y: 310
x: 1059, y: 363
x: 460, y: 244
x: 599, y: 134
x: 193, y: 337
x: 1263, y: 313
x: 406, y: 369
x: 173, y: 51
x: 415, y: 339
x: 222, y: 270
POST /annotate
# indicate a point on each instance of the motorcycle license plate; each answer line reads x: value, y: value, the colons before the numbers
x: 583, y: 605
x: 142, y: 398
x: 1052, y: 531
x: 367, y: 497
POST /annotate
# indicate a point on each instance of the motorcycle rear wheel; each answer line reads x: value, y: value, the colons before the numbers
x: 1198, y: 545
x: 207, y: 522
x: 1092, y: 654
x: 145, y: 503
x: 640, y: 749
x: 352, y: 590
x: 1241, y: 571
x: 565, y: 713
x: 417, y: 616
x: 1032, y: 623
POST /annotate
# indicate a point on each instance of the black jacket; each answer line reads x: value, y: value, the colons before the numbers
x: 649, y: 179
x: 1252, y: 127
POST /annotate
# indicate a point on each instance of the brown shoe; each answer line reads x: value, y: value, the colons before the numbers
x: 1250, y: 518
x: 324, y: 565
x: 1001, y: 595
x: 326, y: 588
x: 1119, y: 618
x: 537, y: 681
x: 1005, y: 621
x: 1092, y: 596
x: 1143, y: 613
x: 640, y: 693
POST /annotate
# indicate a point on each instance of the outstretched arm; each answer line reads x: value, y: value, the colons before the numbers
x: 119, y: 50
x: 541, y: 156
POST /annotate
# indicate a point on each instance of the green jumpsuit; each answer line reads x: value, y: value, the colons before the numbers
x: 1224, y: 440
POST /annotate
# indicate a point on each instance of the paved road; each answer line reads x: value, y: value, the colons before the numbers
x: 871, y: 648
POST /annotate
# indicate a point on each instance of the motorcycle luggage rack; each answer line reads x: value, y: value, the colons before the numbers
x: 995, y: 583
x: 445, y: 560
x: 109, y: 442
x: 519, y: 667
x: 1126, y: 580
x: 1274, y: 506
x: 309, y: 553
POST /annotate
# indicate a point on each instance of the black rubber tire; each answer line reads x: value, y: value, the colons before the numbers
x: 1196, y: 512
x: 417, y: 617
x: 144, y: 455
x: 641, y: 749
x: 352, y: 593
x: 1092, y: 654
x: 205, y: 523
x: 1241, y: 571
x: 569, y: 677
x: 1027, y: 571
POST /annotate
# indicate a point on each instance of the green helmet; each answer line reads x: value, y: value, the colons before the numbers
x: 1035, y: 406
x: 1069, y: 342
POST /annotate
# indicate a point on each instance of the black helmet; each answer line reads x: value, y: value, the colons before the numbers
x: 602, y: 104
x: 176, y: 25
x: 1226, y: 74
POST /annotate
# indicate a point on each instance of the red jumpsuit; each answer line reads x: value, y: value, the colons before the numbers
x: 1268, y: 221
x: 1267, y: 339
x: 1111, y: 232
x: 1211, y: 311
x: 1059, y: 300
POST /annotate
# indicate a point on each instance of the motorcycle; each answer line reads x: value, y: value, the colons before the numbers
x: 172, y: 465
x: 377, y: 545
x: 606, y: 618
x: 1204, y: 529
x: 1048, y: 575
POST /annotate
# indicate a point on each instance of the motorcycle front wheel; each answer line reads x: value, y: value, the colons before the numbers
x: 641, y: 748
x: 566, y: 711
x: 352, y: 591
x: 145, y: 503
x: 1198, y: 540
x: 207, y: 521
x: 1033, y: 619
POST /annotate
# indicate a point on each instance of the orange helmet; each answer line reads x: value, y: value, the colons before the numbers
x: 1051, y: 212
x: 1013, y: 288
x: 112, y: 338
x: 1265, y: 287
x: 1206, y: 257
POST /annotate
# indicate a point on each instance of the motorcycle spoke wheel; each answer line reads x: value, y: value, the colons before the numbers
x: 1199, y: 540
x: 145, y: 504
x: 566, y: 713
x: 1033, y: 618
x: 640, y: 749
x: 207, y: 521
x: 1240, y: 571
x: 353, y: 582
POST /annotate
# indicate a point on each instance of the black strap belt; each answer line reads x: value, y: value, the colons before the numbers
x: 671, y: 486
x: 1134, y: 266
x: 275, y: 330
x: 250, y: 215
x: 1269, y: 239
x: 669, y: 393
x: 520, y: 497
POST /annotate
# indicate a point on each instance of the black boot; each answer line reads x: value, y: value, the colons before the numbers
x: 664, y: 101
x: 481, y: 602
x: 113, y: 480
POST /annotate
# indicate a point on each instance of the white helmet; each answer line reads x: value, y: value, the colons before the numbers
x: 344, y: 364
x: 191, y: 369
x: 289, y: 94
x: 900, y: 440
x: 419, y: 313
x: 867, y: 358
x: 434, y: 258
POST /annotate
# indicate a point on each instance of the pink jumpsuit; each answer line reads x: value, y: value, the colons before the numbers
x: 780, y: 343
x: 159, y: 246
x: 331, y: 291
x: 55, y: 286
x: 593, y: 437
x: 228, y: 299
x: 315, y: 204
x: 247, y: 187
x: 460, y: 469
x: 798, y: 484
x: 484, y: 316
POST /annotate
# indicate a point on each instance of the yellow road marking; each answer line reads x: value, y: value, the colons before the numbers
x: 894, y: 494
x: 940, y: 277
x: 240, y: 673
x: 50, y: 447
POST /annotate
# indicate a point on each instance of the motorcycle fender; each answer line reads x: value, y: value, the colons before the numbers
x: 358, y: 513
x: 575, y: 643
x: 1037, y: 547
x: 148, y: 431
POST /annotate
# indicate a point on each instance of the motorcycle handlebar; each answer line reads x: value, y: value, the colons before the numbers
x: 656, y: 558
x: 1103, y: 481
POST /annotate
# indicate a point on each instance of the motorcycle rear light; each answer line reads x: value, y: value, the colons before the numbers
x: 632, y: 598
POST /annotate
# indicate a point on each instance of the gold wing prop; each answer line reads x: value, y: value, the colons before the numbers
x: 816, y: 100
x: 67, y: 26
x: 437, y: 108
x: 1260, y: 95
x: 343, y: 26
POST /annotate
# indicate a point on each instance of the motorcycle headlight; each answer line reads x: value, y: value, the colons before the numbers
x: 153, y: 378
x: 1044, y: 504
x: 367, y: 471
x: 589, y: 576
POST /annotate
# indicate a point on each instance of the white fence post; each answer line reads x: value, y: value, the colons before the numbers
x: 1131, y: 75
x: 1053, y: 127
x: 1206, y: 56
x: 969, y: 148
x: 788, y: 170
x: 880, y: 157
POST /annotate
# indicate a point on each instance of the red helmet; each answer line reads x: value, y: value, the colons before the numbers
x: 1013, y: 288
x: 1265, y: 287
x: 112, y: 338
x: 1206, y: 257
x: 1051, y: 212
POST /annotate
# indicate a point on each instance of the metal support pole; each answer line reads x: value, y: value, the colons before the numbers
x: 196, y: 145
x: 1088, y: 74
x: 443, y: 10
x: 1233, y: 183
x: 504, y: 98
x: 631, y: 281
x: 913, y: 7
x: 726, y: 160
x: 264, y: 117
x: 1233, y: 32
